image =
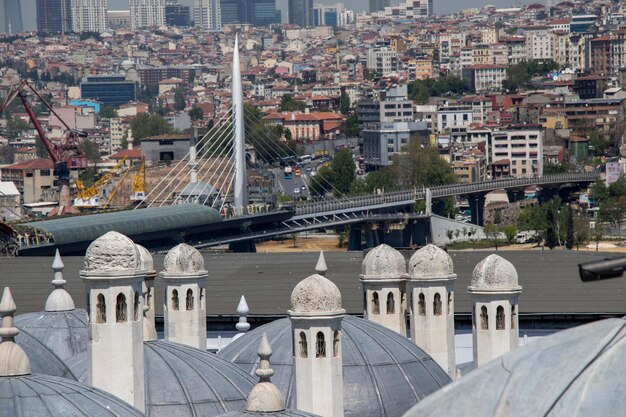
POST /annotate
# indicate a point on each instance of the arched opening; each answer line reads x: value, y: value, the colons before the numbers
x: 304, y: 348
x: 174, y: 299
x: 375, y: 303
x: 189, y: 300
x: 101, y: 310
x: 391, y: 304
x: 437, y: 305
x: 120, y: 308
x: 513, y: 316
x: 500, y: 318
x: 136, y: 307
x: 320, y: 345
x: 449, y: 302
x: 484, y: 318
x: 421, y: 305
x: 336, y: 344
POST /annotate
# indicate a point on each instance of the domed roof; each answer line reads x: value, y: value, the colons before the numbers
x: 494, y: 273
x: 383, y: 262
x: 145, y: 259
x: 315, y: 294
x: 575, y: 372
x: 431, y: 262
x: 384, y: 373
x: 49, y: 396
x: 184, y: 259
x: 112, y: 252
x: 183, y: 381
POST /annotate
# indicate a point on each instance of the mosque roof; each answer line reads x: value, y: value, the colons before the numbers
x: 384, y: 262
x: 575, y: 372
x: 384, y: 373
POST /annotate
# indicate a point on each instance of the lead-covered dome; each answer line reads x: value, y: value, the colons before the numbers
x: 112, y: 252
x: 315, y: 294
x: 383, y: 262
x: 494, y: 273
x: 573, y: 373
x: 384, y: 373
x: 431, y: 262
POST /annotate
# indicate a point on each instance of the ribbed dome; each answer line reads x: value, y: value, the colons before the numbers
x: 430, y: 262
x: 55, y: 342
x: 577, y: 372
x: 49, y: 396
x: 383, y: 262
x: 384, y: 373
x: 183, y: 381
x: 494, y: 273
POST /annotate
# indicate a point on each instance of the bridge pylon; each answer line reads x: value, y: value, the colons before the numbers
x: 241, y: 180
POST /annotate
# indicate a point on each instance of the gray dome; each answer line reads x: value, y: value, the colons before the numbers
x: 314, y: 294
x: 49, y: 396
x: 384, y: 373
x: 431, y: 262
x: 112, y: 252
x: 573, y: 373
x: 383, y: 262
x: 494, y: 273
x: 183, y: 381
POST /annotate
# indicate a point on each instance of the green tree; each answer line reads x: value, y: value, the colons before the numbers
x: 449, y: 210
x: 551, y: 238
x: 380, y: 180
x: 492, y: 232
x: 343, y: 171
x: 421, y: 166
x: 321, y: 183
x: 89, y: 150
x: 344, y: 103
x: 179, y: 100
x: 569, y: 240
x: 15, y: 126
x: 287, y: 103
x: 599, y: 191
x: 145, y: 125
x: 612, y: 211
x: 510, y: 231
x: 521, y: 74
x: 598, y: 144
x: 196, y: 113
x: 7, y: 154
x: 581, y: 230
x: 550, y: 168
x: 352, y: 126
x: 107, y: 112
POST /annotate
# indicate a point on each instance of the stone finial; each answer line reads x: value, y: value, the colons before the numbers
x: 321, y: 267
x: 242, y: 311
x: 265, y: 396
x: 431, y: 262
x: 494, y: 273
x: 315, y: 294
x: 184, y: 259
x: 112, y: 252
x: 59, y: 299
x: 13, y: 360
x: 383, y: 262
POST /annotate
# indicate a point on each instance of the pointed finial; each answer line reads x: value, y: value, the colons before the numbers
x: 13, y: 360
x: 59, y: 299
x: 242, y: 311
x: 265, y: 396
x: 321, y: 267
x: 264, y: 371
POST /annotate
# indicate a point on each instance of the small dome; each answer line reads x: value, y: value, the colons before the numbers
x: 383, y: 262
x: 49, y: 396
x: 315, y: 294
x: 494, y: 273
x: 183, y: 259
x: 431, y: 262
x: 384, y: 373
x: 112, y: 252
x: 145, y: 259
x: 574, y: 372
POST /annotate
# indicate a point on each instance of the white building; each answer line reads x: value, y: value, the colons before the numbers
x: 523, y: 148
x: 147, y: 13
x: 383, y: 60
x: 485, y: 78
x: 540, y: 44
x: 89, y: 15
x: 207, y: 14
x: 454, y: 116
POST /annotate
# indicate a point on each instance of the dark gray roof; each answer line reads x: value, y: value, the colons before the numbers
x: 574, y: 373
x: 129, y: 222
x: 42, y: 359
x: 183, y: 381
x: 549, y: 279
x: 48, y: 396
x: 384, y: 373
x: 285, y: 413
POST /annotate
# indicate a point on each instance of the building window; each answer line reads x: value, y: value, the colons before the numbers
x: 189, y: 300
x: 437, y: 305
x: 166, y: 142
x: 336, y: 344
x: 174, y: 300
x: 449, y: 302
x: 375, y: 303
x: 120, y: 308
x: 513, y: 316
x: 484, y: 318
x: 101, y: 310
x: 136, y: 307
x: 320, y: 346
x: 44, y: 172
x: 304, y: 349
x: 500, y: 318
x: 421, y: 305
x: 391, y: 304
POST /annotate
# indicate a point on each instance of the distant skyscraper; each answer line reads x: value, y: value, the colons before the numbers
x: 54, y: 16
x: 301, y: 12
x: 379, y: 5
x: 89, y: 15
x: 207, y: 14
x: 262, y: 12
x: 431, y: 10
x: 176, y: 14
x: 146, y: 13
x: 12, y: 11
x: 233, y: 11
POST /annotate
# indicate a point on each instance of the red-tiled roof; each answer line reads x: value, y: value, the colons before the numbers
x: 32, y: 165
x: 129, y: 153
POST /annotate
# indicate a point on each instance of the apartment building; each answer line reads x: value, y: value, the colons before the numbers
x: 485, y: 78
x: 522, y: 146
x: 451, y: 116
x: 89, y: 15
x: 540, y: 44
x: 383, y: 60
x: 147, y: 13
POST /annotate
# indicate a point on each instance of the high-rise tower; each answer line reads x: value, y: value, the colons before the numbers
x: 89, y: 15
x: 301, y: 13
x: 207, y: 14
x: 12, y: 10
x: 54, y: 16
x: 378, y: 5
x: 146, y: 13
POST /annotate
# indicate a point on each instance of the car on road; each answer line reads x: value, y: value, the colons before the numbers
x: 309, y: 169
x: 303, y: 187
x: 296, y: 190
